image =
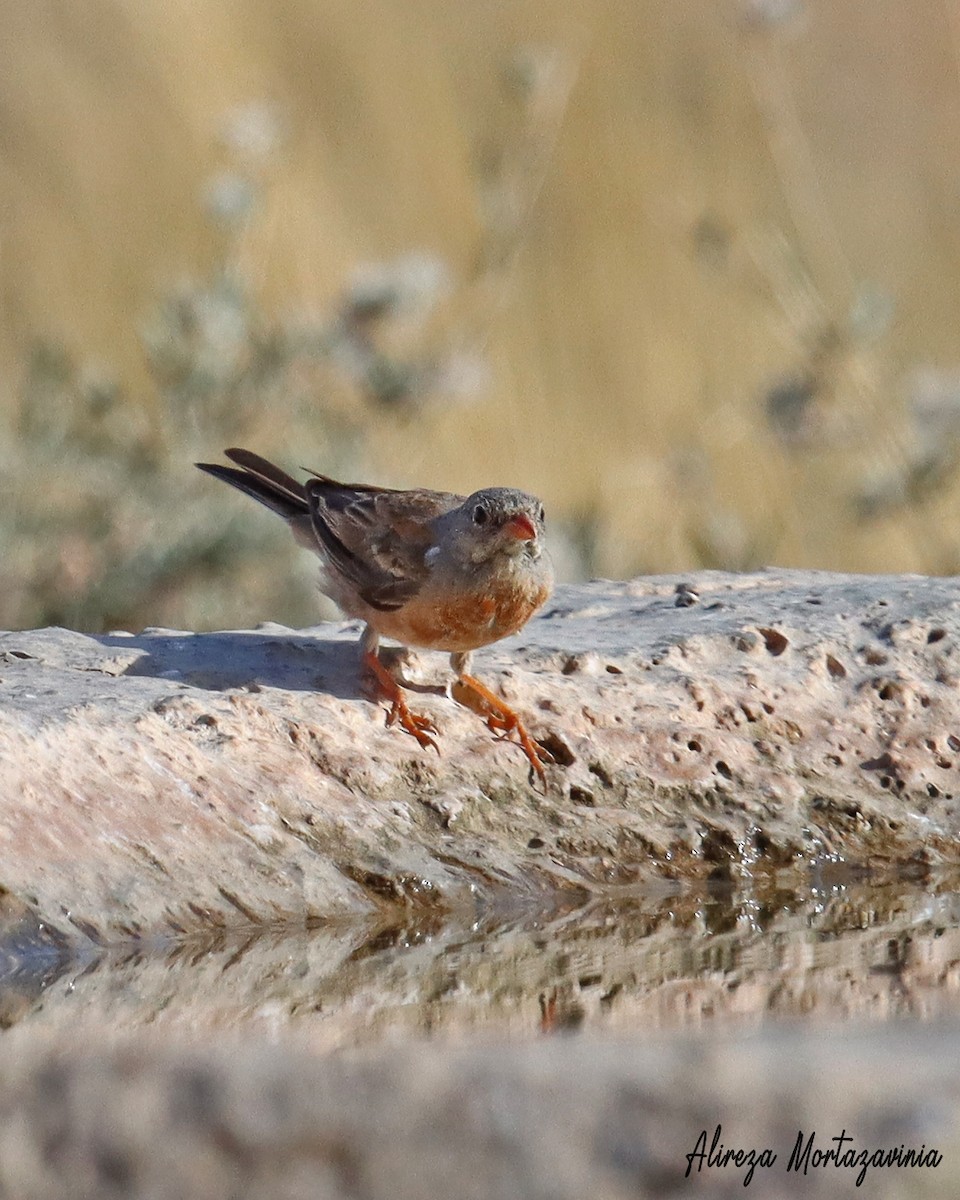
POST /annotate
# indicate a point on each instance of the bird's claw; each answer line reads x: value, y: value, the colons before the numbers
x: 502, y: 729
x: 502, y: 721
x: 416, y: 724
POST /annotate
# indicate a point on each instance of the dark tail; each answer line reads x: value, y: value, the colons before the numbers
x: 263, y: 481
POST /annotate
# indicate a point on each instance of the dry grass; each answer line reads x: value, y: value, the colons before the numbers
x: 688, y: 271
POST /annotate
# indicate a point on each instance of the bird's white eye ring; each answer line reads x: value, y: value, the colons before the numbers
x: 480, y: 515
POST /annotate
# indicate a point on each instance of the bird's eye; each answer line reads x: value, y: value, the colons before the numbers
x: 480, y: 515
x: 541, y: 514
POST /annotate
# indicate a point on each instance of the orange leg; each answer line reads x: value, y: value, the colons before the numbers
x: 501, y: 719
x: 416, y: 725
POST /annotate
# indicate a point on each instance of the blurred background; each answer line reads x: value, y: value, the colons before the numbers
x: 689, y: 272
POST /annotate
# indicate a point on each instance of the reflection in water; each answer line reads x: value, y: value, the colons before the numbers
x: 627, y: 965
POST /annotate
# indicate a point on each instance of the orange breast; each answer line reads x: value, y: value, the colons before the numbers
x: 463, y: 622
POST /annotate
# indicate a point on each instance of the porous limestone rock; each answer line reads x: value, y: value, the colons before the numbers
x: 711, y: 725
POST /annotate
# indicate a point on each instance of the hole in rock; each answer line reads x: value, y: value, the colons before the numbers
x: 774, y: 641
x: 601, y: 772
x: 883, y: 762
x: 559, y: 750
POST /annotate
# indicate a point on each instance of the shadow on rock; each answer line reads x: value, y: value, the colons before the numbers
x: 219, y: 661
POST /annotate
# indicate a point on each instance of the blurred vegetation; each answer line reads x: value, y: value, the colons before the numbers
x: 121, y: 528
x: 687, y: 272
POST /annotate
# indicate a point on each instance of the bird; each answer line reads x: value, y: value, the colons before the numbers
x: 428, y: 569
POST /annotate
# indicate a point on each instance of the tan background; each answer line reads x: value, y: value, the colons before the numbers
x: 702, y: 282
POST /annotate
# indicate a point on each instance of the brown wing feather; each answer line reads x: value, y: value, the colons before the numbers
x: 377, y: 537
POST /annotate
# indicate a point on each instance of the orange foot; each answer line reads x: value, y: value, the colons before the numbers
x: 501, y: 719
x: 418, y: 726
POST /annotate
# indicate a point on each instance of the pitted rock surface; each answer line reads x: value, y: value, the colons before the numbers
x: 706, y: 725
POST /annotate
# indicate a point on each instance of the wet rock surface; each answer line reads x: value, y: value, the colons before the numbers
x: 559, y: 1118
x: 704, y: 727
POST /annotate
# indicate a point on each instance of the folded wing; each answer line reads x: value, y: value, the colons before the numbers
x: 377, y: 537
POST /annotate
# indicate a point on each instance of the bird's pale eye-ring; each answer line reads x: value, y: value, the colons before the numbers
x: 480, y: 515
x: 541, y: 515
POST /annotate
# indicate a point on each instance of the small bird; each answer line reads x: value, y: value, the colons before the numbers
x: 428, y: 569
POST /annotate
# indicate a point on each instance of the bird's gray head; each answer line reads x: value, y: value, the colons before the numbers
x: 494, y: 522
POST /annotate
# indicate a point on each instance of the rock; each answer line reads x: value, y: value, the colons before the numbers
x: 560, y: 1118
x: 712, y: 726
